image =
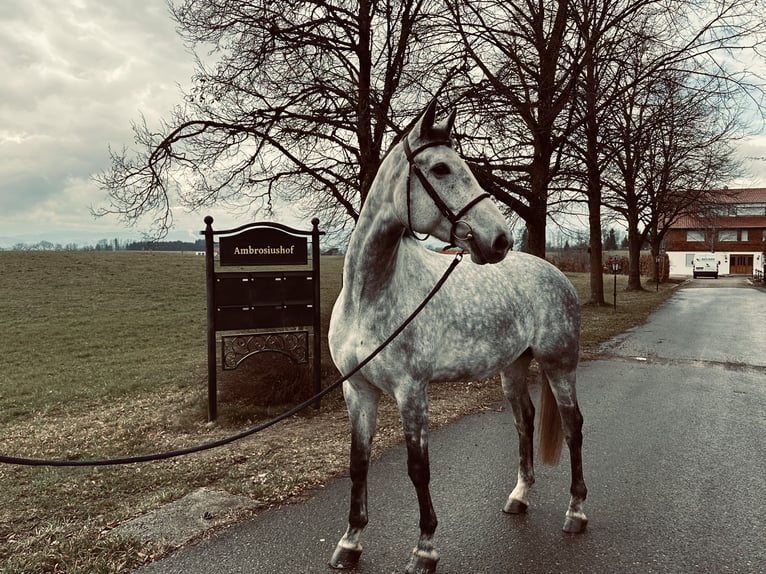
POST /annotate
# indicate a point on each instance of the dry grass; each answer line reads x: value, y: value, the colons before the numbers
x: 103, y: 355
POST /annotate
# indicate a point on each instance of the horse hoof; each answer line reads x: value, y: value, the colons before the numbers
x: 421, y: 565
x: 344, y: 558
x: 575, y: 524
x: 514, y: 506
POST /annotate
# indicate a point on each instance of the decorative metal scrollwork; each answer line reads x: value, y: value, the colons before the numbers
x: 237, y: 348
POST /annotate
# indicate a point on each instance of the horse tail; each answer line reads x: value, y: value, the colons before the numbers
x: 551, y: 433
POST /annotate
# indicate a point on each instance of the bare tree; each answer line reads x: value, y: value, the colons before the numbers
x: 525, y: 59
x: 296, y: 101
x: 298, y: 104
x: 672, y: 148
x: 610, y: 31
x: 628, y: 47
x: 690, y: 159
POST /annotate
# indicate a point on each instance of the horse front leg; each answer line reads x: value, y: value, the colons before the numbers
x: 362, y: 404
x: 413, y: 408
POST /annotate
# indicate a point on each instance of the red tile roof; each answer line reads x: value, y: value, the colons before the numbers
x: 751, y: 195
x: 741, y: 222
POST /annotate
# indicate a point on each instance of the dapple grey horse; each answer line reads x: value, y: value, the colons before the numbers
x: 493, y: 315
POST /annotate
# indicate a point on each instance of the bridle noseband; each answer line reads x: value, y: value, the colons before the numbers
x: 454, y: 218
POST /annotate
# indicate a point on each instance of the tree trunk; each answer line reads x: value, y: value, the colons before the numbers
x: 593, y: 191
x: 596, y: 251
x: 656, y: 265
x: 656, y: 246
x: 536, y: 239
x: 635, y: 240
x: 368, y: 155
x: 537, y: 214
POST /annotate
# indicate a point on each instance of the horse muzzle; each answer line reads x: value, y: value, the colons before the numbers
x: 490, y: 249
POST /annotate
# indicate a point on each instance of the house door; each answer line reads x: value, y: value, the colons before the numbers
x: 741, y: 265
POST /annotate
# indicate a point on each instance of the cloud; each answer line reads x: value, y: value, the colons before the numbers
x: 75, y: 74
x: 752, y: 152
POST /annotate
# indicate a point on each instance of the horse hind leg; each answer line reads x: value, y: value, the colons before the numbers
x: 514, y: 380
x: 362, y: 403
x: 562, y: 388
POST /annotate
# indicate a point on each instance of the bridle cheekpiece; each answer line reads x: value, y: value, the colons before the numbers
x: 454, y: 218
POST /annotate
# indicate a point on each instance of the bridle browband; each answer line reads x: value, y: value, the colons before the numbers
x: 454, y: 218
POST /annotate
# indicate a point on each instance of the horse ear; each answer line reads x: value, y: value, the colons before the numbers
x: 427, y: 119
x: 444, y: 128
x: 451, y: 121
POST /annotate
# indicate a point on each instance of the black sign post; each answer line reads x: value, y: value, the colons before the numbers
x: 248, y: 300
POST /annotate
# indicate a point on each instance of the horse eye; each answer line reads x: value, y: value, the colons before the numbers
x: 440, y: 169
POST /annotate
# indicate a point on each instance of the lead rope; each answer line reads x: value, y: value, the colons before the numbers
x: 230, y: 439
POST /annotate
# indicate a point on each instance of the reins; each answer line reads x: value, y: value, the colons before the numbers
x: 22, y: 461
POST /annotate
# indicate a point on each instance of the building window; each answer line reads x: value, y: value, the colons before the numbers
x: 751, y: 210
x: 743, y: 235
x: 727, y: 235
x: 725, y: 211
x: 695, y: 235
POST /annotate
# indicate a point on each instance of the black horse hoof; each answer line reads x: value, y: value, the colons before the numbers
x: 421, y: 565
x: 575, y: 524
x: 344, y: 558
x: 515, y: 507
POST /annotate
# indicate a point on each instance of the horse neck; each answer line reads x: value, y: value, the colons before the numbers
x: 374, y: 246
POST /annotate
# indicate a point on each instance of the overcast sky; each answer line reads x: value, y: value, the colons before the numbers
x: 73, y: 75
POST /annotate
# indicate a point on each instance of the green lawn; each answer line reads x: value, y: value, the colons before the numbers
x: 83, y: 328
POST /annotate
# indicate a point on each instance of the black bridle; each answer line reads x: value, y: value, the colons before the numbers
x: 454, y: 218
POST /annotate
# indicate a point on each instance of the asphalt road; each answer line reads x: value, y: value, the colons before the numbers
x: 674, y: 457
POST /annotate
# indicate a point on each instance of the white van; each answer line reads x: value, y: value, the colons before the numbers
x: 705, y: 265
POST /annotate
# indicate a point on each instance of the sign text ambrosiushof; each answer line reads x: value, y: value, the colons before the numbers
x: 263, y: 246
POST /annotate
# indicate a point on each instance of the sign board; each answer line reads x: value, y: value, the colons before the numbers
x: 264, y: 299
x: 263, y: 246
x: 257, y: 300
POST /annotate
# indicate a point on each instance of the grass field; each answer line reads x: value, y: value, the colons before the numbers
x: 104, y: 354
x: 83, y: 328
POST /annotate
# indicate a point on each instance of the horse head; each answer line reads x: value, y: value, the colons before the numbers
x: 442, y: 197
